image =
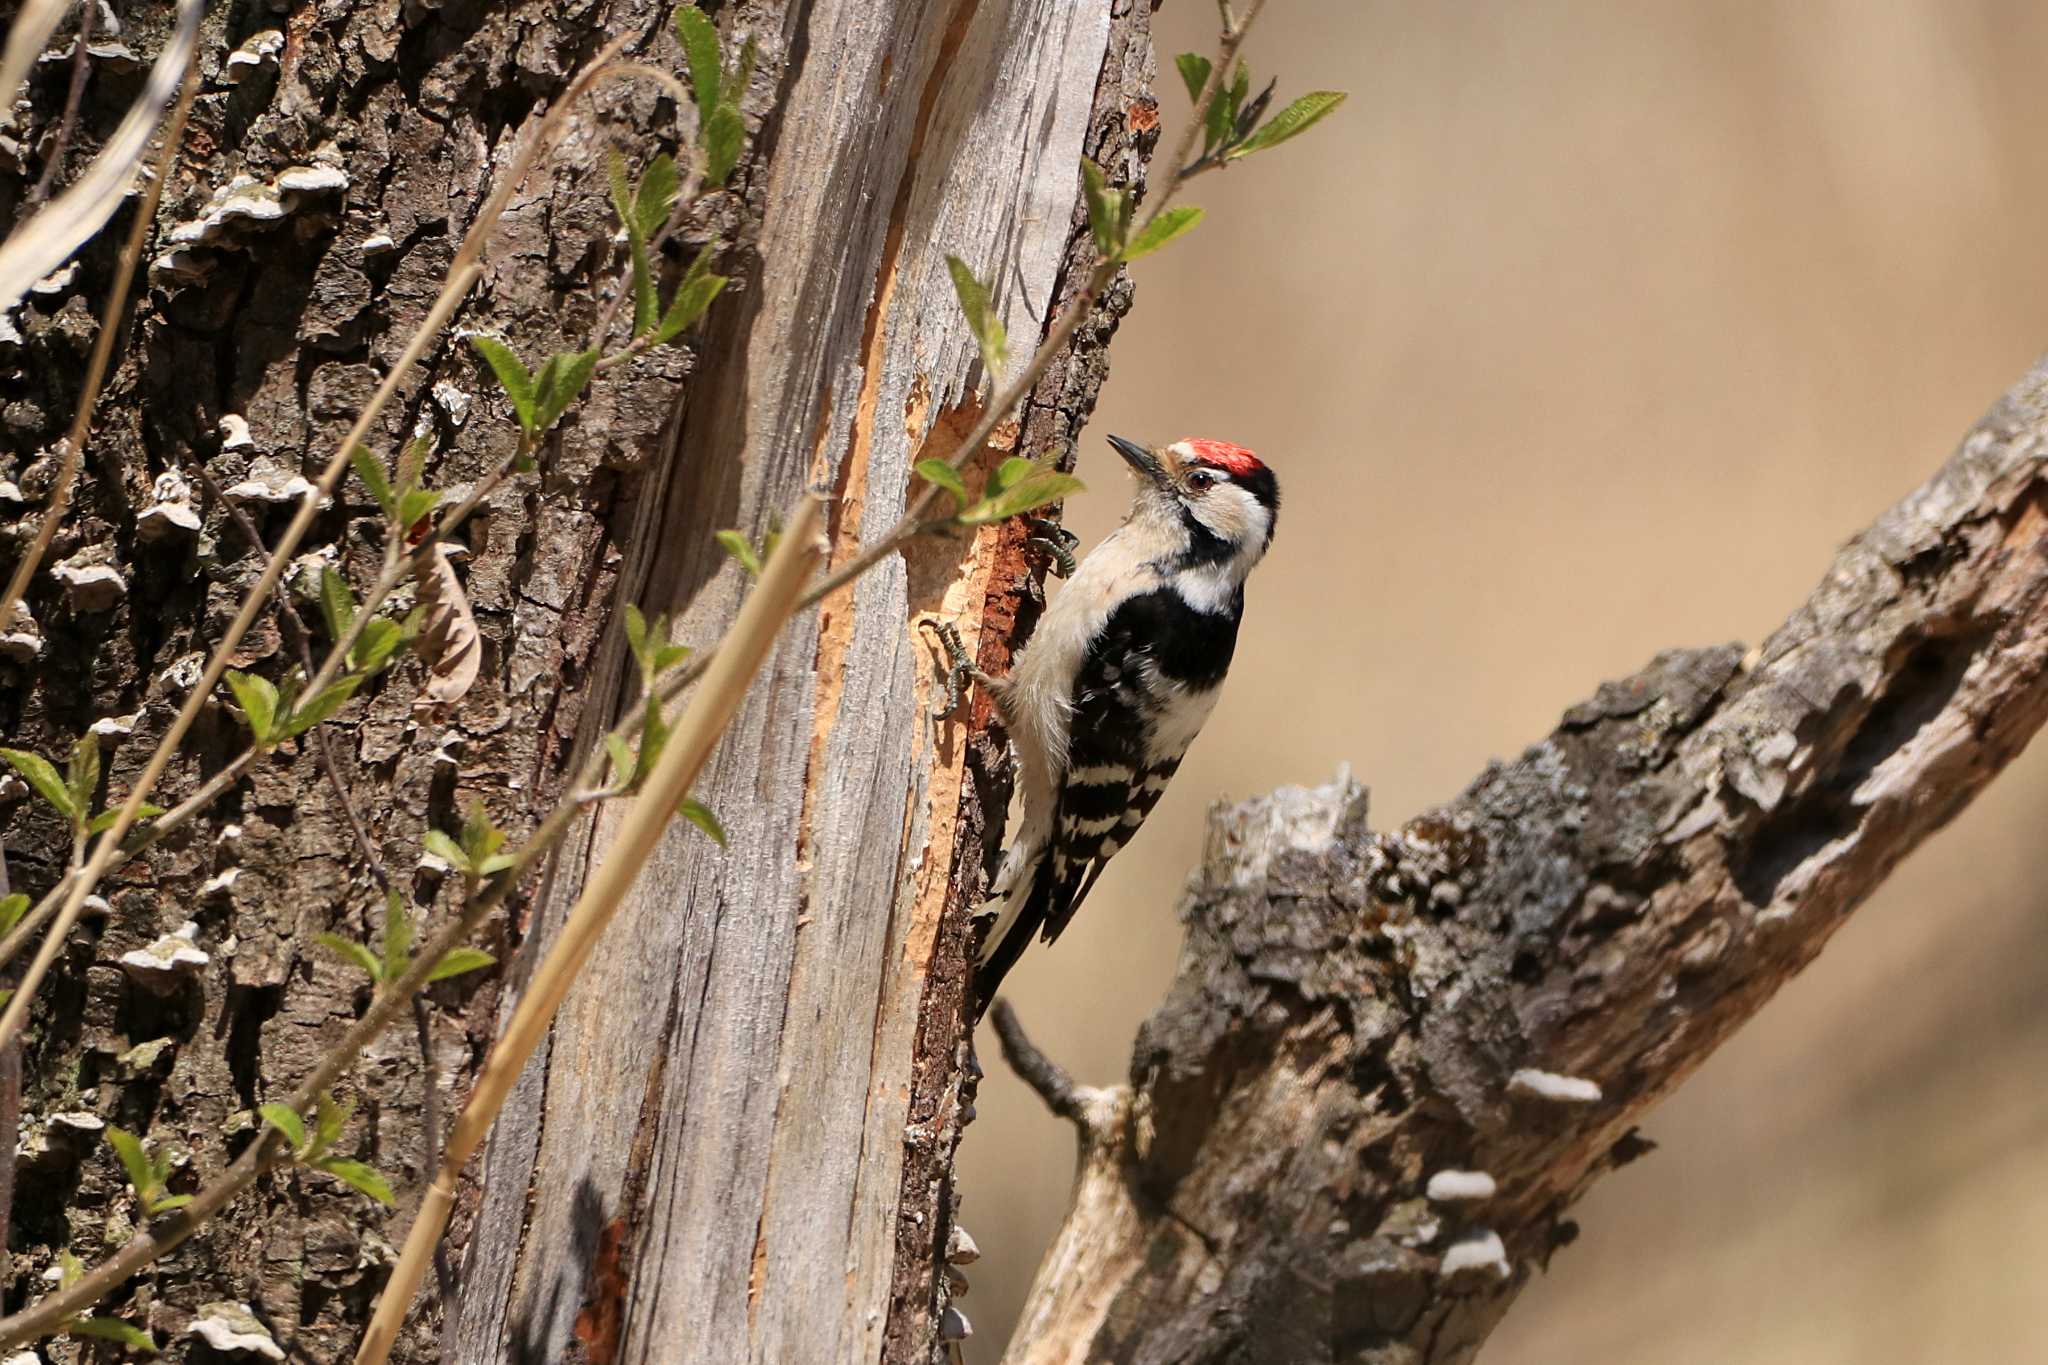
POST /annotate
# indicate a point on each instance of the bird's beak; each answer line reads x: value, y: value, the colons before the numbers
x: 1141, y: 459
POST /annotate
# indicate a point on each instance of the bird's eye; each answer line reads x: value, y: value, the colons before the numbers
x: 1201, y: 480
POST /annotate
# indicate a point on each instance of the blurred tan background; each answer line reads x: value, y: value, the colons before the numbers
x: 1586, y: 329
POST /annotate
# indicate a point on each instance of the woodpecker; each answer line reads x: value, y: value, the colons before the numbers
x: 1124, y: 668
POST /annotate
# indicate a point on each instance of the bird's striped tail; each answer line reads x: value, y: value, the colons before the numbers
x: 1010, y: 918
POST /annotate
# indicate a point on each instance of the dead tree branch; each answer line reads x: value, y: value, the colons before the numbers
x: 1391, y: 1064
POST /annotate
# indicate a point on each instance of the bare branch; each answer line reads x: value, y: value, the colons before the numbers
x: 1047, y: 1078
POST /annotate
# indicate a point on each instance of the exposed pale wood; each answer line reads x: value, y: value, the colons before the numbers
x: 726, y: 1103
x: 1507, y: 983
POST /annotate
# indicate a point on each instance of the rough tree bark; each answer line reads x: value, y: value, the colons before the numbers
x: 740, y: 1140
x: 1391, y: 1064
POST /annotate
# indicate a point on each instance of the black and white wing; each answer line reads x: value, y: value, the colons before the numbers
x: 1149, y: 681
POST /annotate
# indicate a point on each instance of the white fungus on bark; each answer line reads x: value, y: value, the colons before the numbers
x: 270, y: 482
x: 313, y: 179
x: 23, y: 640
x: 453, y: 401
x: 1548, y: 1085
x: 168, y: 960
x: 170, y: 513
x: 232, y: 1327
x: 960, y: 1247
x: 113, y: 729
x: 1450, y: 1187
x: 234, y: 432
x: 1480, y: 1252
x: 90, y: 586
x: 954, y: 1326
x: 256, y: 50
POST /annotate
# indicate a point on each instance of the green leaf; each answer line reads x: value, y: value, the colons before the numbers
x: 636, y: 633
x: 657, y: 195
x: 981, y: 318
x: 398, y: 935
x: 566, y: 373
x: 699, y: 814
x: 69, y: 1269
x: 1105, y: 209
x: 141, y: 1171
x: 12, y: 908
x: 646, y: 303
x: 42, y: 775
x: 309, y: 713
x: 166, y: 1203
x: 623, y: 764
x: 1012, y: 470
x: 1240, y: 86
x: 351, y: 951
x: 725, y: 133
x: 692, y: 296
x: 329, y: 1118
x: 358, y: 1176
x: 82, y: 776
x: 370, y: 470
x: 513, y: 376
x: 1170, y: 224
x: 942, y: 475
x: 379, y: 640
x: 700, y: 46
x: 412, y: 459
x: 456, y: 961
x: 112, y: 1329
x: 414, y: 505
x: 668, y: 656
x: 1296, y: 119
x: 446, y: 849
x: 258, y: 699
x: 741, y: 549
x: 106, y: 818
x: 1216, y: 122
x: 480, y: 837
x: 736, y: 80
x: 622, y: 189
x: 337, y: 604
x: 286, y: 1120
x: 653, y: 735
x: 1046, y: 486
x: 1194, y: 72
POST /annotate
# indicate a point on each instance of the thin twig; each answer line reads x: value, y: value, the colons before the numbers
x: 302, y: 639
x: 80, y: 64
x: 1047, y: 1078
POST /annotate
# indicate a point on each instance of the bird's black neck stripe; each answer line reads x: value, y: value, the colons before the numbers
x: 1205, y: 547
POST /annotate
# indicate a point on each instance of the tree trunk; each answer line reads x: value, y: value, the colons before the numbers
x: 743, y: 1129
x: 1391, y: 1064
x: 756, y: 1166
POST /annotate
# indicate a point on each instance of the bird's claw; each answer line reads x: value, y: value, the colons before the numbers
x: 958, y: 670
x: 1056, y: 541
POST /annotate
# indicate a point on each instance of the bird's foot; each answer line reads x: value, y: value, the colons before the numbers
x: 1056, y: 542
x: 958, y: 670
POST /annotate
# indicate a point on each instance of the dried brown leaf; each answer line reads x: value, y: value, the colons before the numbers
x: 449, y: 644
